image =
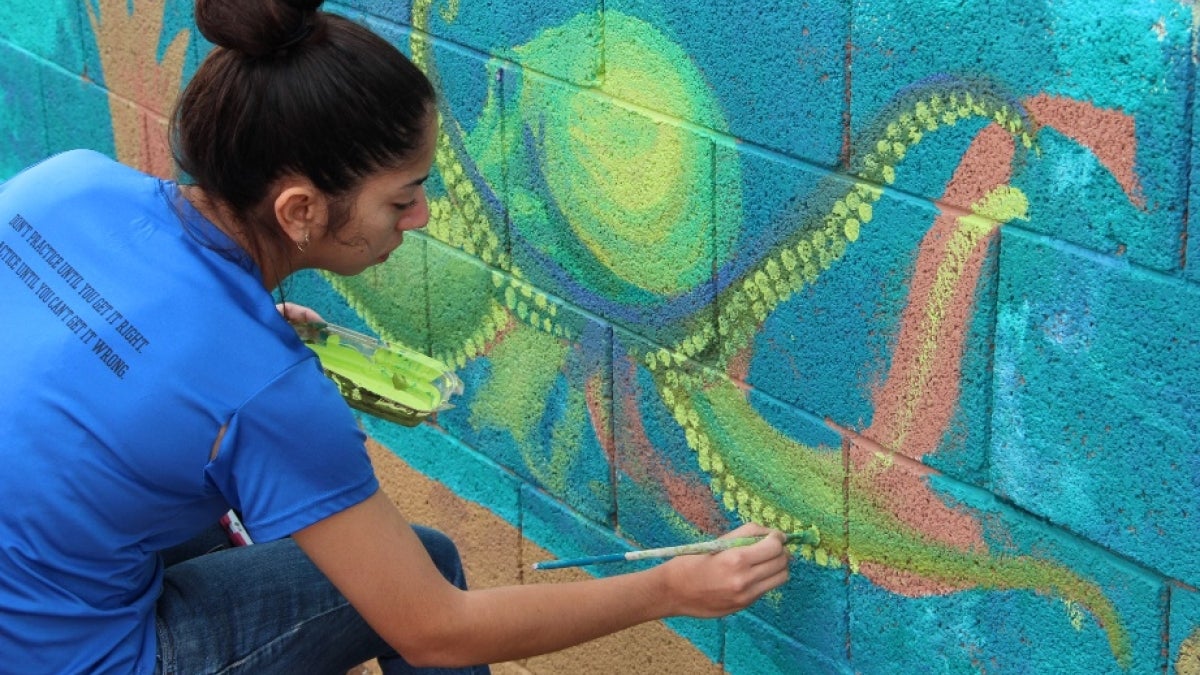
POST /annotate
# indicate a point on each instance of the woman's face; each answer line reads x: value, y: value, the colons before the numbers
x: 389, y: 203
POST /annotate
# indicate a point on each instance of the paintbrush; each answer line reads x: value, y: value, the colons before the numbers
x: 713, y: 546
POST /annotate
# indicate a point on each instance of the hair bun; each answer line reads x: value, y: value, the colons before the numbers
x: 256, y: 27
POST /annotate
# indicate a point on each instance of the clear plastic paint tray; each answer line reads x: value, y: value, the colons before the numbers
x: 388, y: 381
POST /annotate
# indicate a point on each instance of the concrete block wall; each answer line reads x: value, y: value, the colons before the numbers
x: 914, y: 275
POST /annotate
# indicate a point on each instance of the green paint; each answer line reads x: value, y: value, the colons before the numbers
x: 525, y: 366
x: 388, y: 382
x: 754, y: 469
x: 635, y: 189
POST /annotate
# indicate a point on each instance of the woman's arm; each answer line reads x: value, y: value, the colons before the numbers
x: 373, y: 557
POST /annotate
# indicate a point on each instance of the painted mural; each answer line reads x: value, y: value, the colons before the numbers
x: 874, y: 275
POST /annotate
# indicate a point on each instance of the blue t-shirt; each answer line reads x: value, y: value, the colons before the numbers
x: 134, y: 330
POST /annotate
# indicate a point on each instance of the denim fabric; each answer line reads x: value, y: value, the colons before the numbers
x: 266, y: 608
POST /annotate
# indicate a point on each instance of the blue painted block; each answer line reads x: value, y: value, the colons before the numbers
x: 773, y: 76
x: 824, y: 317
x: 22, y: 123
x: 1096, y: 413
x: 313, y: 290
x: 1110, y: 171
x: 663, y: 495
x: 537, y: 376
x: 1032, y: 597
x: 810, y: 609
x: 754, y: 648
x: 467, y: 187
x: 469, y: 474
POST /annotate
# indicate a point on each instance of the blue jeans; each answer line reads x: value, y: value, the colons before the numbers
x: 266, y: 608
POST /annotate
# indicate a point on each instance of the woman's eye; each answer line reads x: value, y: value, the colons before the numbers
x: 405, y: 205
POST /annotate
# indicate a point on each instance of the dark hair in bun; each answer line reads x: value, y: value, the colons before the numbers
x: 256, y: 27
x: 291, y: 90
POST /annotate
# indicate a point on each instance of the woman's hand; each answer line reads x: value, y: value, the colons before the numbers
x: 717, y: 584
x: 298, y: 313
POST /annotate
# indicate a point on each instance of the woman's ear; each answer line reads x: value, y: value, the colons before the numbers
x: 301, y: 210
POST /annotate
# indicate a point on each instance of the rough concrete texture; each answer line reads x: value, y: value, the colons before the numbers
x: 918, y: 276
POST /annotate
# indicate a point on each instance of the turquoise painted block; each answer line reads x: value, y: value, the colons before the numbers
x: 569, y: 534
x: 537, y: 375
x: 77, y: 114
x: 775, y: 75
x: 22, y: 122
x: 1034, y: 599
x: 754, y: 648
x: 1184, y: 631
x: 1110, y: 82
x: 441, y: 457
x: 562, y: 39
x: 49, y: 30
x: 1096, y: 415
x: 313, y: 290
x: 1191, y: 266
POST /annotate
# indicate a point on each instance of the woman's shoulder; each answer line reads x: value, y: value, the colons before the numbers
x: 82, y: 158
x: 74, y: 170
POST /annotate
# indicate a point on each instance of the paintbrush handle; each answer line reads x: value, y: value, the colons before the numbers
x: 713, y: 546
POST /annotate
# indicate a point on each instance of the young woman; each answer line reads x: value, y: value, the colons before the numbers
x: 151, y: 384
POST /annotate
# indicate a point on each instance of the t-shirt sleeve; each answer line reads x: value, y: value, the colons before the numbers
x: 292, y: 455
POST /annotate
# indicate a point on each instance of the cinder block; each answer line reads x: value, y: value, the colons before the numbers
x: 868, y: 308
x: 772, y: 464
x: 690, y: 646
x: 1096, y: 415
x: 314, y: 290
x: 537, y: 375
x: 1184, y: 632
x: 561, y: 39
x: 611, y: 209
x: 470, y: 475
x: 468, y: 184
x: 140, y: 51
x: 77, y: 114
x: 49, y: 30
x: 663, y: 494
x: 773, y: 76
x: 984, y: 585
x: 1109, y: 172
x: 754, y: 648
x: 22, y: 122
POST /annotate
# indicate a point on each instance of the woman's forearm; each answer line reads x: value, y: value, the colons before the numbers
x: 514, y: 622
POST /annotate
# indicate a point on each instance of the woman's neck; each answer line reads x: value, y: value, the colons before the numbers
x: 273, y: 263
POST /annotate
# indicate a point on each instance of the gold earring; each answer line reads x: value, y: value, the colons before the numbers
x: 303, y: 245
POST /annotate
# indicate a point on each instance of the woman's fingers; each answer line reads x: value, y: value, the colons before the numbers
x: 298, y: 313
